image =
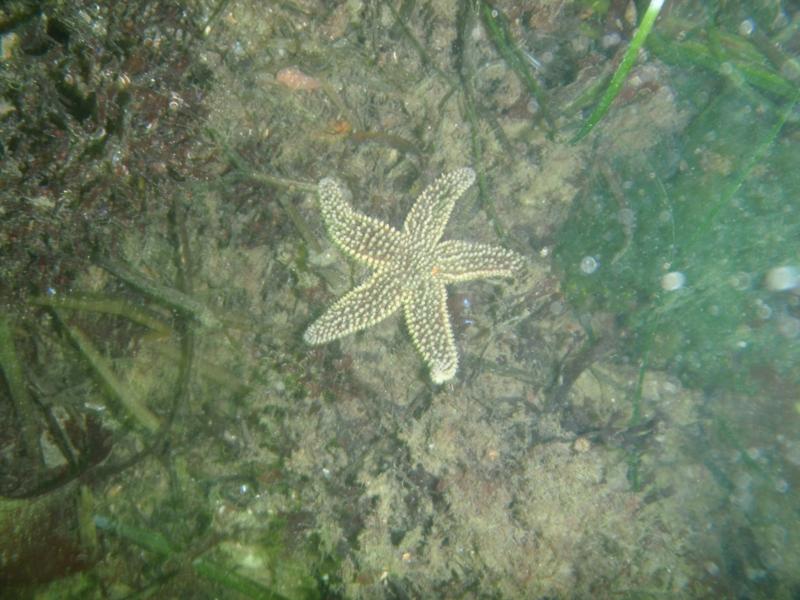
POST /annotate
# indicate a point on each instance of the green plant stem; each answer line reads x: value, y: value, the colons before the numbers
x: 634, y: 457
x: 23, y: 403
x: 622, y: 71
x: 465, y: 75
x: 760, y: 149
x: 205, y: 369
x: 105, y: 305
x: 116, y: 389
x: 497, y: 29
x: 169, y: 296
x: 423, y: 54
x: 155, y: 542
x: 693, y: 53
x: 283, y: 183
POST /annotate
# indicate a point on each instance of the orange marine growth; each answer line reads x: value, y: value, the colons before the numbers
x: 294, y: 79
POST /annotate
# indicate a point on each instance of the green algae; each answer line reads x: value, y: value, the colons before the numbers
x: 20, y: 396
x: 618, y: 79
x: 708, y: 209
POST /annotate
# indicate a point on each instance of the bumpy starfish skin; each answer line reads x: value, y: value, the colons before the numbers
x: 411, y: 268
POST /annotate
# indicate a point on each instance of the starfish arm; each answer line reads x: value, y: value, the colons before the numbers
x: 428, y: 217
x: 366, y: 305
x: 429, y: 324
x: 363, y: 238
x: 465, y: 261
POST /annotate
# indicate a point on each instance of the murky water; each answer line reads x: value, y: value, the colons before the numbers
x: 624, y: 309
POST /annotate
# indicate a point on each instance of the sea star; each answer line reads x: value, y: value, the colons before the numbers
x: 410, y: 268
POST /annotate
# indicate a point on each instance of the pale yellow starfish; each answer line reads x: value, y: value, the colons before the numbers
x: 410, y: 268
